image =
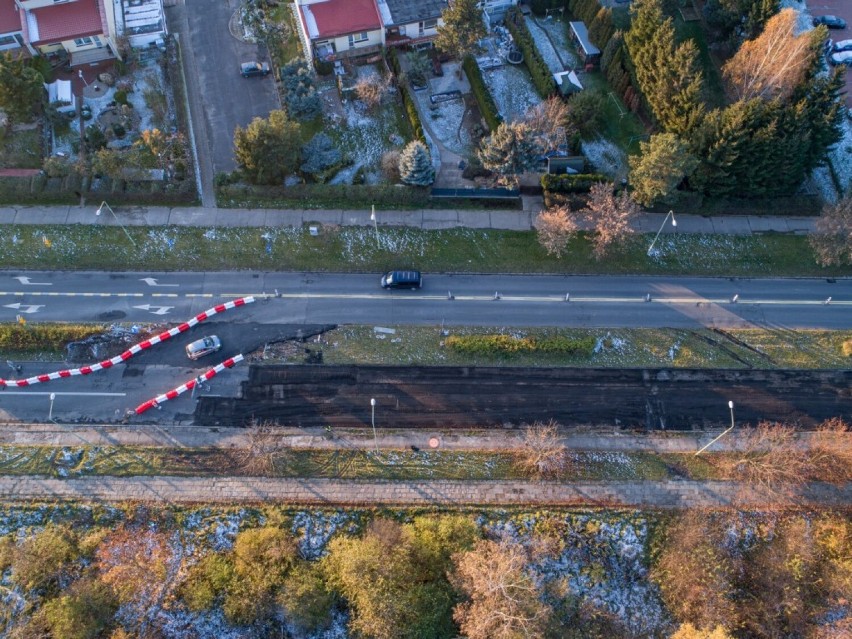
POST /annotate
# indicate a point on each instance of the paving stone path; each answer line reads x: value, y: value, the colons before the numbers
x: 332, y: 492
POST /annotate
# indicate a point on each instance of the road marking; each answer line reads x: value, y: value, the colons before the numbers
x: 60, y: 294
x: 25, y: 308
x: 23, y: 279
x: 161, y: 310
x: 198, y: 294
x: 150, y: 281
x: 48, y: 393
x: 164, y: 295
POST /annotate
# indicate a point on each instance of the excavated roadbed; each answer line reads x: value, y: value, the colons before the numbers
x: 464, y: 397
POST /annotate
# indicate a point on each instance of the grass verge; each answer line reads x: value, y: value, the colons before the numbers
x: 399, y: 465
x: 632, y: 347
x: 81, y: 247
x: 21, y: 149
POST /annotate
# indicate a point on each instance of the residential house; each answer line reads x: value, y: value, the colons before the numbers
x: 411, y: 22
x: 142, y: 22
x: 11, y: 32
x: 82, y: 29
x: 336, y: 29
x: 494, y: 11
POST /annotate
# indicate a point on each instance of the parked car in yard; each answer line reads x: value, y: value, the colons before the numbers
x: 204, y: 346
x: 254, y: 68
x: 843, y: 45
x: 832, y: 22
x: 844, y: 57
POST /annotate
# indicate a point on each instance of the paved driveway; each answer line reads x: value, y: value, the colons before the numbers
x: 222, y: 97
x: 843, y: 9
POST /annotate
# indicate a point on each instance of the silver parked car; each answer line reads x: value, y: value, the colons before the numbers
x: 204, y: 346
x: 844, y: 57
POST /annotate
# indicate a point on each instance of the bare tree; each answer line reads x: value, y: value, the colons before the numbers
x: 555, y: 228
x: 769, y: 457
x: 372, y: 89
x: 610, y: 216
x: 831, y: 452
x: 390, y: 165
x: 549, y: 123
x: 543, y: 454
x: 774, y: 63
x: 264, y: 446
x: 832, y: 237
x: 502, y: 600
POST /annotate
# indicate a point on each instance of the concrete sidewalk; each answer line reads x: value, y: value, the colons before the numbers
x: 445, y: 493
x: 430, y: 219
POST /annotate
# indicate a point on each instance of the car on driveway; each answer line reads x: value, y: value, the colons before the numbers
x: 254, y: 68
x: 204, y: 346
x: 832, y: 22
x: 844, y: 57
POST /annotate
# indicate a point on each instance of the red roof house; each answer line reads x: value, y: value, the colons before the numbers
x: 65, y: 21
x: 10, y: 17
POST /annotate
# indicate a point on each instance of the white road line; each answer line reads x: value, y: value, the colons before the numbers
x: 47, y: 393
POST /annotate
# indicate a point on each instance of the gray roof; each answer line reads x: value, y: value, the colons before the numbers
x: 407, y: 11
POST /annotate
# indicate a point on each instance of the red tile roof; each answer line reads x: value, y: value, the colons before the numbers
x: 340, y: 17
x: 10, y: 17
x: 68, y: 21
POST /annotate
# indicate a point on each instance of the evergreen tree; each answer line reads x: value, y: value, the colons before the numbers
x: 415, y: 165
x: 509, y: 151
x: 268, y: 150
x: 667, y: 74
x: 462, y: 28
x: 662, y: 165
x: 21, y: 89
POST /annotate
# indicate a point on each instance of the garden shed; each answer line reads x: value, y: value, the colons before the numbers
x: 568, y: 82
x: 59, y: 93
x: 589, y: 52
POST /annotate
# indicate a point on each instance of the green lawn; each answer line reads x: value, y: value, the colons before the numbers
x: 21, y: 149
x: 287, y: 47
x: 80, y: 247
x: 621, y: 125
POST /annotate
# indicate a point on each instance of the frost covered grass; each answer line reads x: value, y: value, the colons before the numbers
x: 444, y: 120
x: 638, y: 347
x: 512, y: 89
x: 551, y: 39
x: 352, y: 248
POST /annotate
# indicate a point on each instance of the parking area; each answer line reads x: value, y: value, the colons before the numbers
x: 841, y: 9
x: 226, y: 99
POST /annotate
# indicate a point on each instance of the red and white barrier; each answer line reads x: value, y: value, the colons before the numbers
x: 133, y: 350
x: 209, y: 374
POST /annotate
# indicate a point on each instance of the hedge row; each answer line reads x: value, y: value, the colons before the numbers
x: 318, y: 196
x: 40, y: 189
x: 44, y: 337
x: 541, y: 76
x: 571, y: 183
x: 508, y: 345
x: 407, y: 98
x: 483, y: 96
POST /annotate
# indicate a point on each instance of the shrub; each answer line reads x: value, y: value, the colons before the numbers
x: 847, y: 348
x: 413, y: 115
x: 43, y: 337
x: 502, y: 345
x: 539, y: 71
x: 57, y: 167
x: 415, y: 165
x: 587, y: 111
x: 543, y: 455
x: 120, y: 96
x: 323, y: 67
x: 42, y: 558
x: 301, y: 100
x: 571, y: 183
x: 483, y: 96
x: 390, y: 165
x: 319, y: 155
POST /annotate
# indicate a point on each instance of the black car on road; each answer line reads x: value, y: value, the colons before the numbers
x: 832, y: 22
x: 254, y: 68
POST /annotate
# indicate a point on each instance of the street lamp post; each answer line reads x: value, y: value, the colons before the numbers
x: 98, y: 212
x: 375, y: 224
x: 373, y: 420
x: 731, y: 406
x: 665, y: 219
x: 50, y: 412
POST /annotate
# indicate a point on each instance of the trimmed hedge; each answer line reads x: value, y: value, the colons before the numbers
x: 571, y: 183
x: 407, y: 99
x: 483, y: 96
x: 317, y: 196
x: 539, y: 71
x: 44, y: 337
x: 508, y: 345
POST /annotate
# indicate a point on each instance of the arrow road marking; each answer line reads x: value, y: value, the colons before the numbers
x: 161, y: 310
x: 150, y: 281
x: 23, y: 279
x: 25, y: 308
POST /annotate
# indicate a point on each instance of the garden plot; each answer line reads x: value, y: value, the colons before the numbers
x: 551, y: 40
x: 512, y: 89
x: 607, y: 157
x: 445, y: 121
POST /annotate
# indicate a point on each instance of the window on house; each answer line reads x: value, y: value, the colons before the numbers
x: 357, y: 37
x: 428, y: 24
x: 84, y: 42
x: 7, y: 40
x: 402, y: 30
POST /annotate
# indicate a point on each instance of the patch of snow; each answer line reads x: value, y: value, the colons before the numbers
x: 314, y: 529
x: 552, y: 58
x: 512, y: 90
x: 606, y: 157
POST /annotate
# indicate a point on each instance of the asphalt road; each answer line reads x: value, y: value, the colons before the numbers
x: 529, y: 300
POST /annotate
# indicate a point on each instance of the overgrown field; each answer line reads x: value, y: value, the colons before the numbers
x: 82, y: 571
